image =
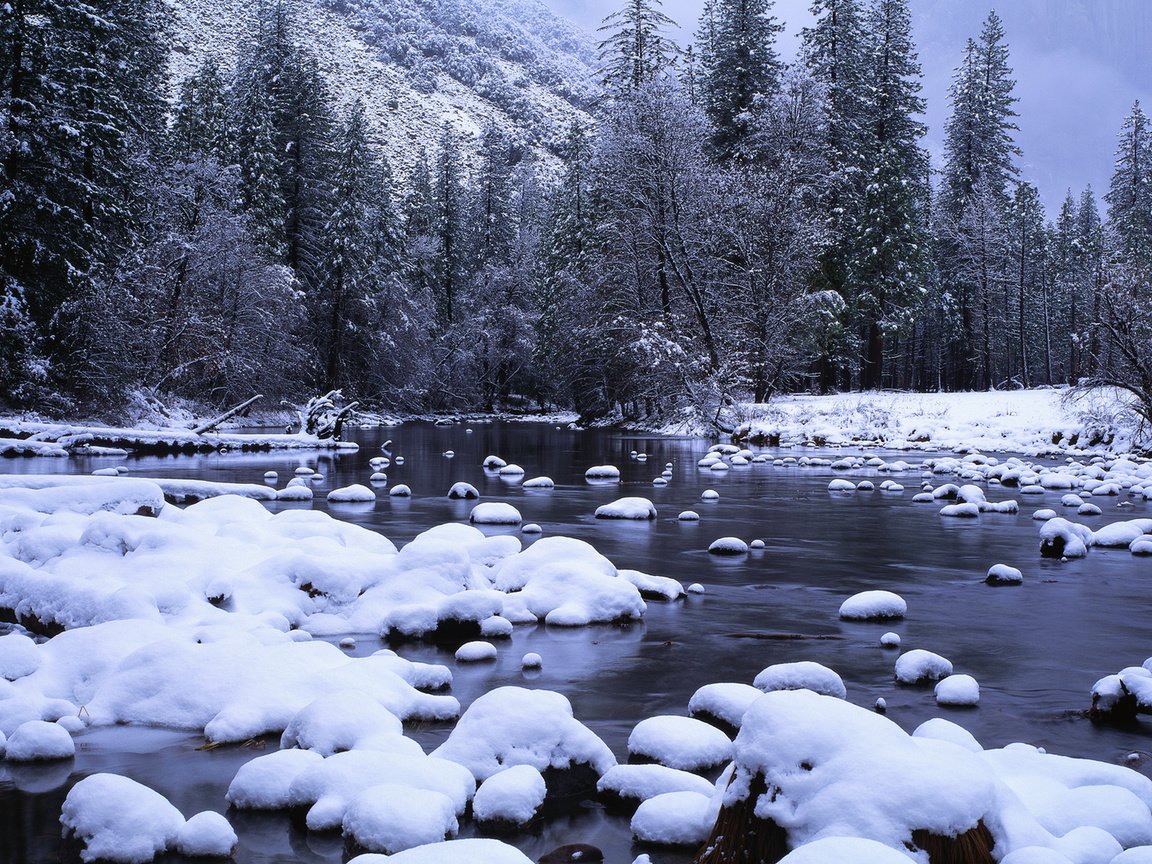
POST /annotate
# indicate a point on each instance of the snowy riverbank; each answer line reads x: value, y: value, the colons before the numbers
x: 1034, y: 422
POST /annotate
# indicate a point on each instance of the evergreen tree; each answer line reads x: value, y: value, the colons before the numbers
x: 1130, y: 201
x: 448, y: 229
x: 1027, y: 304
x: 201, y: 122
x: 891, y: 263
x: 740, y: 67
x: 636, y: 51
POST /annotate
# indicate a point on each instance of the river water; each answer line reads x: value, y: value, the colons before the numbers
x: 1035, y: 649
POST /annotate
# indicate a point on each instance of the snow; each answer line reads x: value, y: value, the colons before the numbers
x: 679, y: 742
x: 654, y: 587
x: 873, y: 606
x: 918, y: 666
x: 674, y: 819
x: 803, y: 674
x: 474, y: 652
x: 728, y: 546
x: 495, y: 513
x: 689, y: 516
x: 1019, y: 421
x: 510, y: 797
x: 725, y: 701
x: 538, y: 483
x: 343, y: 720
x: 18, y: 656
x: 1063, y: 539
x: 627, y: 508
x: 264, y: 782
x: 640, y: 782
x: 603, y: 472
x: 514, y: 726
x: 472, y: 851
x: 531, y: 660
x: 400, y: 490
x: 206, y: 835
x: 858, y: 850
x: 391, y: 818
x: 510, y: 471
x: 355, y: 493
x: 958, y: 690
x: 1002, y: 574
x: 841, y: 485
x: 39, y: 741
x: 120, y: 820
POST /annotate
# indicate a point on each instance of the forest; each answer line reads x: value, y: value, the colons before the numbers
x: 724, y: 227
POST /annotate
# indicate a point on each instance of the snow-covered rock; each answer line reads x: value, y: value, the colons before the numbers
x: 264, y: 782
x: 510, y: 798
x: 679, y: 742
x: 120, y: 820
x: 475, y: 652
x: 961, y: 690
x: 39, y: 741
x: 206, y: 835
x: 728, y: 546
x: 495, y: 513
x: 627, y: 508
x: 801, y: 675
x: 674, y: 819
x: 463, y: 491
x: 918, y: 666
x: 392, y: 817
x: 873, y: 606
x: 723, y: 704
x: 355, y: 494
x: 626, y: 786
x: 603, y: 472
x: 1002, y: 574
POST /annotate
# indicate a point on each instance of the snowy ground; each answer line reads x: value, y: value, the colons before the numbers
x: 1042, y: 421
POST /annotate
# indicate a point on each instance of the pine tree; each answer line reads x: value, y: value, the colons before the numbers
x: 1027, y: 303
x: 448, y: 229
x: 740, y: 67
x: 1130, y: 201
x: 201, y: 122
x: 636, y: 51
x: 891, y: 263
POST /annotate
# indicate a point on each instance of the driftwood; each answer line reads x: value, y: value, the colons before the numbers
x: 231, y: 412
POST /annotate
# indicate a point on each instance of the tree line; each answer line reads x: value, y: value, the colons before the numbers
x: 721, y: 227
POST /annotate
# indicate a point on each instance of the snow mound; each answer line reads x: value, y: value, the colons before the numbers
x: 802, y: 675
x: 495, y: 513
x: 475, y: 652
x: 857, y: 850
x: 631, y: 784
x: 539, y: 483
x: 463, y: 491
x: 674, y: 819
x: 627, y: 508
x: 392, y: 817
x: 355, y: 494
x: 263, y: 783
x: 206, y: 835
x: 728, y: 546
x: 400, y: 490
x: 39, y: 741
x: 1002, y: 574
x: 345, y: 720
x: 654, y: 587
x: 510, y: 798
x: 689, y: 516
x: 1060, y: 538
x: 119, y: 819
x: 514, y: 726
x: 472, y: 851
x: 511, y: 471
x: 723, y: 702
x: 679, y: 742
x: 841, y: 485
x: 873, y: 606
x: 18, y: 656
x: 958, y: 690
x: 603, y: 472
x: 919, y: 666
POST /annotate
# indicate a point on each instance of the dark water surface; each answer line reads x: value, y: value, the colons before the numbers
x: 1035, y: 649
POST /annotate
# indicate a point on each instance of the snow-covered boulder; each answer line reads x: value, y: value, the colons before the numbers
x: 39, y: 741
x: 391, y: 817
x: 355, y: 494
x: 801, y: 675
x: 679, y: 742
x: 510, y: 798
x: 19, y: 656
x: 344, y: 720
x: 477, y: 850
x: 476, y: 652
x: 463, y: 491
x: 495, y: 513
x: 120, y: 820
x: 603, y: 472
x: 723, y: 704
x: 206, y: 835
x: 624, y: 787
x: 1060, y: 538
x: 514, y: 726
x: 539, y: 483
x: 263, y: 783
x: 919, y: 666
x: 627, y: 508
x: 674, y: 819
x: 958, y: 690
x: 873, y: 606
x: 1002, y: 574
x: 654, y: 587
x: 728, y: 546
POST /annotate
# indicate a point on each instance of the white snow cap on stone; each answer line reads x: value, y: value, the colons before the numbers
x: 627, y: 508
x: 495, y: 513
x: 725, y: 701
x: 355, y: 494
x: 512, y: 796
x: 206, y: 835
x: 391, y: 817
x: 873, y: 606
x: 962, y: 690
x: 801, y: 675
x: 471, y: 851
x: 539, y: 483
x: 680, y: 742
x: 39, y: 741
x: 918, y: 666
x: 515, y: 726
x: 344, y: 720
x: 119, y: 819
x: 602, y: 472
x: 641, y: 782
x: 675, y: 819
x: 263, y: 783
x: 728, y: 546
x: 463, y: 490
x: 474, y: 652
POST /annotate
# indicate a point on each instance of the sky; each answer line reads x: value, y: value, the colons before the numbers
x: 1079, y: 66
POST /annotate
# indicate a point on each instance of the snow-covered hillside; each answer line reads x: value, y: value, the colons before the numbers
x: 420, y: 64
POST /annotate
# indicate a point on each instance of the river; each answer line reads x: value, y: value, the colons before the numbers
x: 1035, y: 649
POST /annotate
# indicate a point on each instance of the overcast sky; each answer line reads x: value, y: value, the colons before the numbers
x: 1079, y: 66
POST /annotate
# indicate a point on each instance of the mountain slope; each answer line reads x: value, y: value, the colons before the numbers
x: 420, y: 64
